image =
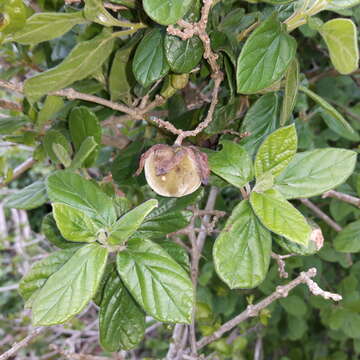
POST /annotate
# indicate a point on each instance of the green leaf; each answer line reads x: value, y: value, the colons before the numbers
x: 341, y: 4
x: 121, y: 321
x: 74, y: 225
x: 260, y: 121
x: 292, y: 81
x: 265, y: 57
x: 170, y: 216
x: 342, y: 128
x: 35, y: 279
x: 264, y: 182
x: 314, y: 172
x: 158, y: 226
x: 8, y: 125
x: 28, y: 198
x: 120, y: 79
x: 82, y: 124
x: 95, y: 11
x: 242, y: 251
x: 232, y: 163
x: 348, y: 239
x: 159, y: 284
x: 85, y: 59
x: 87, y: 148
x: 177, y: 252
x: 341, y: 38
x: 276, y: 151
x: 46, y: 26
x: 125, y: 164
x: 294, y: 305
x: 67, y: 291
x: 183, y: 55
x: 51, y: 138
x: 130, y: 222
x: 100, y: 291
x: 166, y: 12
x: 73, y: 190
x: 62, y: 154
x: 280, y: 217
x: 52, y: 233
x: 149, y: 64
x: 52, y: 105
x: 294, y: 248
x: 333, y: 119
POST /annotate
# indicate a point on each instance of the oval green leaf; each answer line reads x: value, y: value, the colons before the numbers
x: 130, y: 222
x: 232, y: 163
x: 85, y: 59
x: 242, y: 251
x: 280, y: 217
x: 74, y: 225
x: 265, y: 57
x: 28, y: 198
x: 158, y: 283
x: 314, y: 172
x: 121, y: 321
x: 150, y: 64
x: 41, y: 271
x: 183, y: 55
x: 276, y: 151
x: 47, y: 26
x: 166, y: 12
x: 348, y: 239
x: 260, y: 121
x: 292, y: 81
x: 67, y: 291
x: 52, y: 233
x: 73, y: 190
x: 341, y: 39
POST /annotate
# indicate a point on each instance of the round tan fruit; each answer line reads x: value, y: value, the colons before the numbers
x: 174, y: 171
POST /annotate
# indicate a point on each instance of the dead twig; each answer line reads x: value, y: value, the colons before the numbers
x: 187, y: 31
x: 281, y: 264
x: 280, y: 292
x: 10, y: 105
x: 21, y: 344
x: 321, y: 215
x: 343, y: 197
x: 19, y: 170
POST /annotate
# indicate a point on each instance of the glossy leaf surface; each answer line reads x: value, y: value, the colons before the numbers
x: 159, y: 284
x: 242, y: 251
x: 121, y: 321
x: 279, y: 216
x: 314, y: 172
x: 68, y: 290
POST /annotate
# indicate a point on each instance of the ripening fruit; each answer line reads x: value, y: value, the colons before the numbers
x: 174, y: 171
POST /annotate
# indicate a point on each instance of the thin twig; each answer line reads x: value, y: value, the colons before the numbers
x: 199, y: 29
x: 177, y: 339
x: 10, y: 105
x: 9, y: 288
x: 320, y: 214
x: 343, y: 197
x: 281, y: 291
x: 21, y: 344
x: 281, y: 264
x: 19, y: 170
